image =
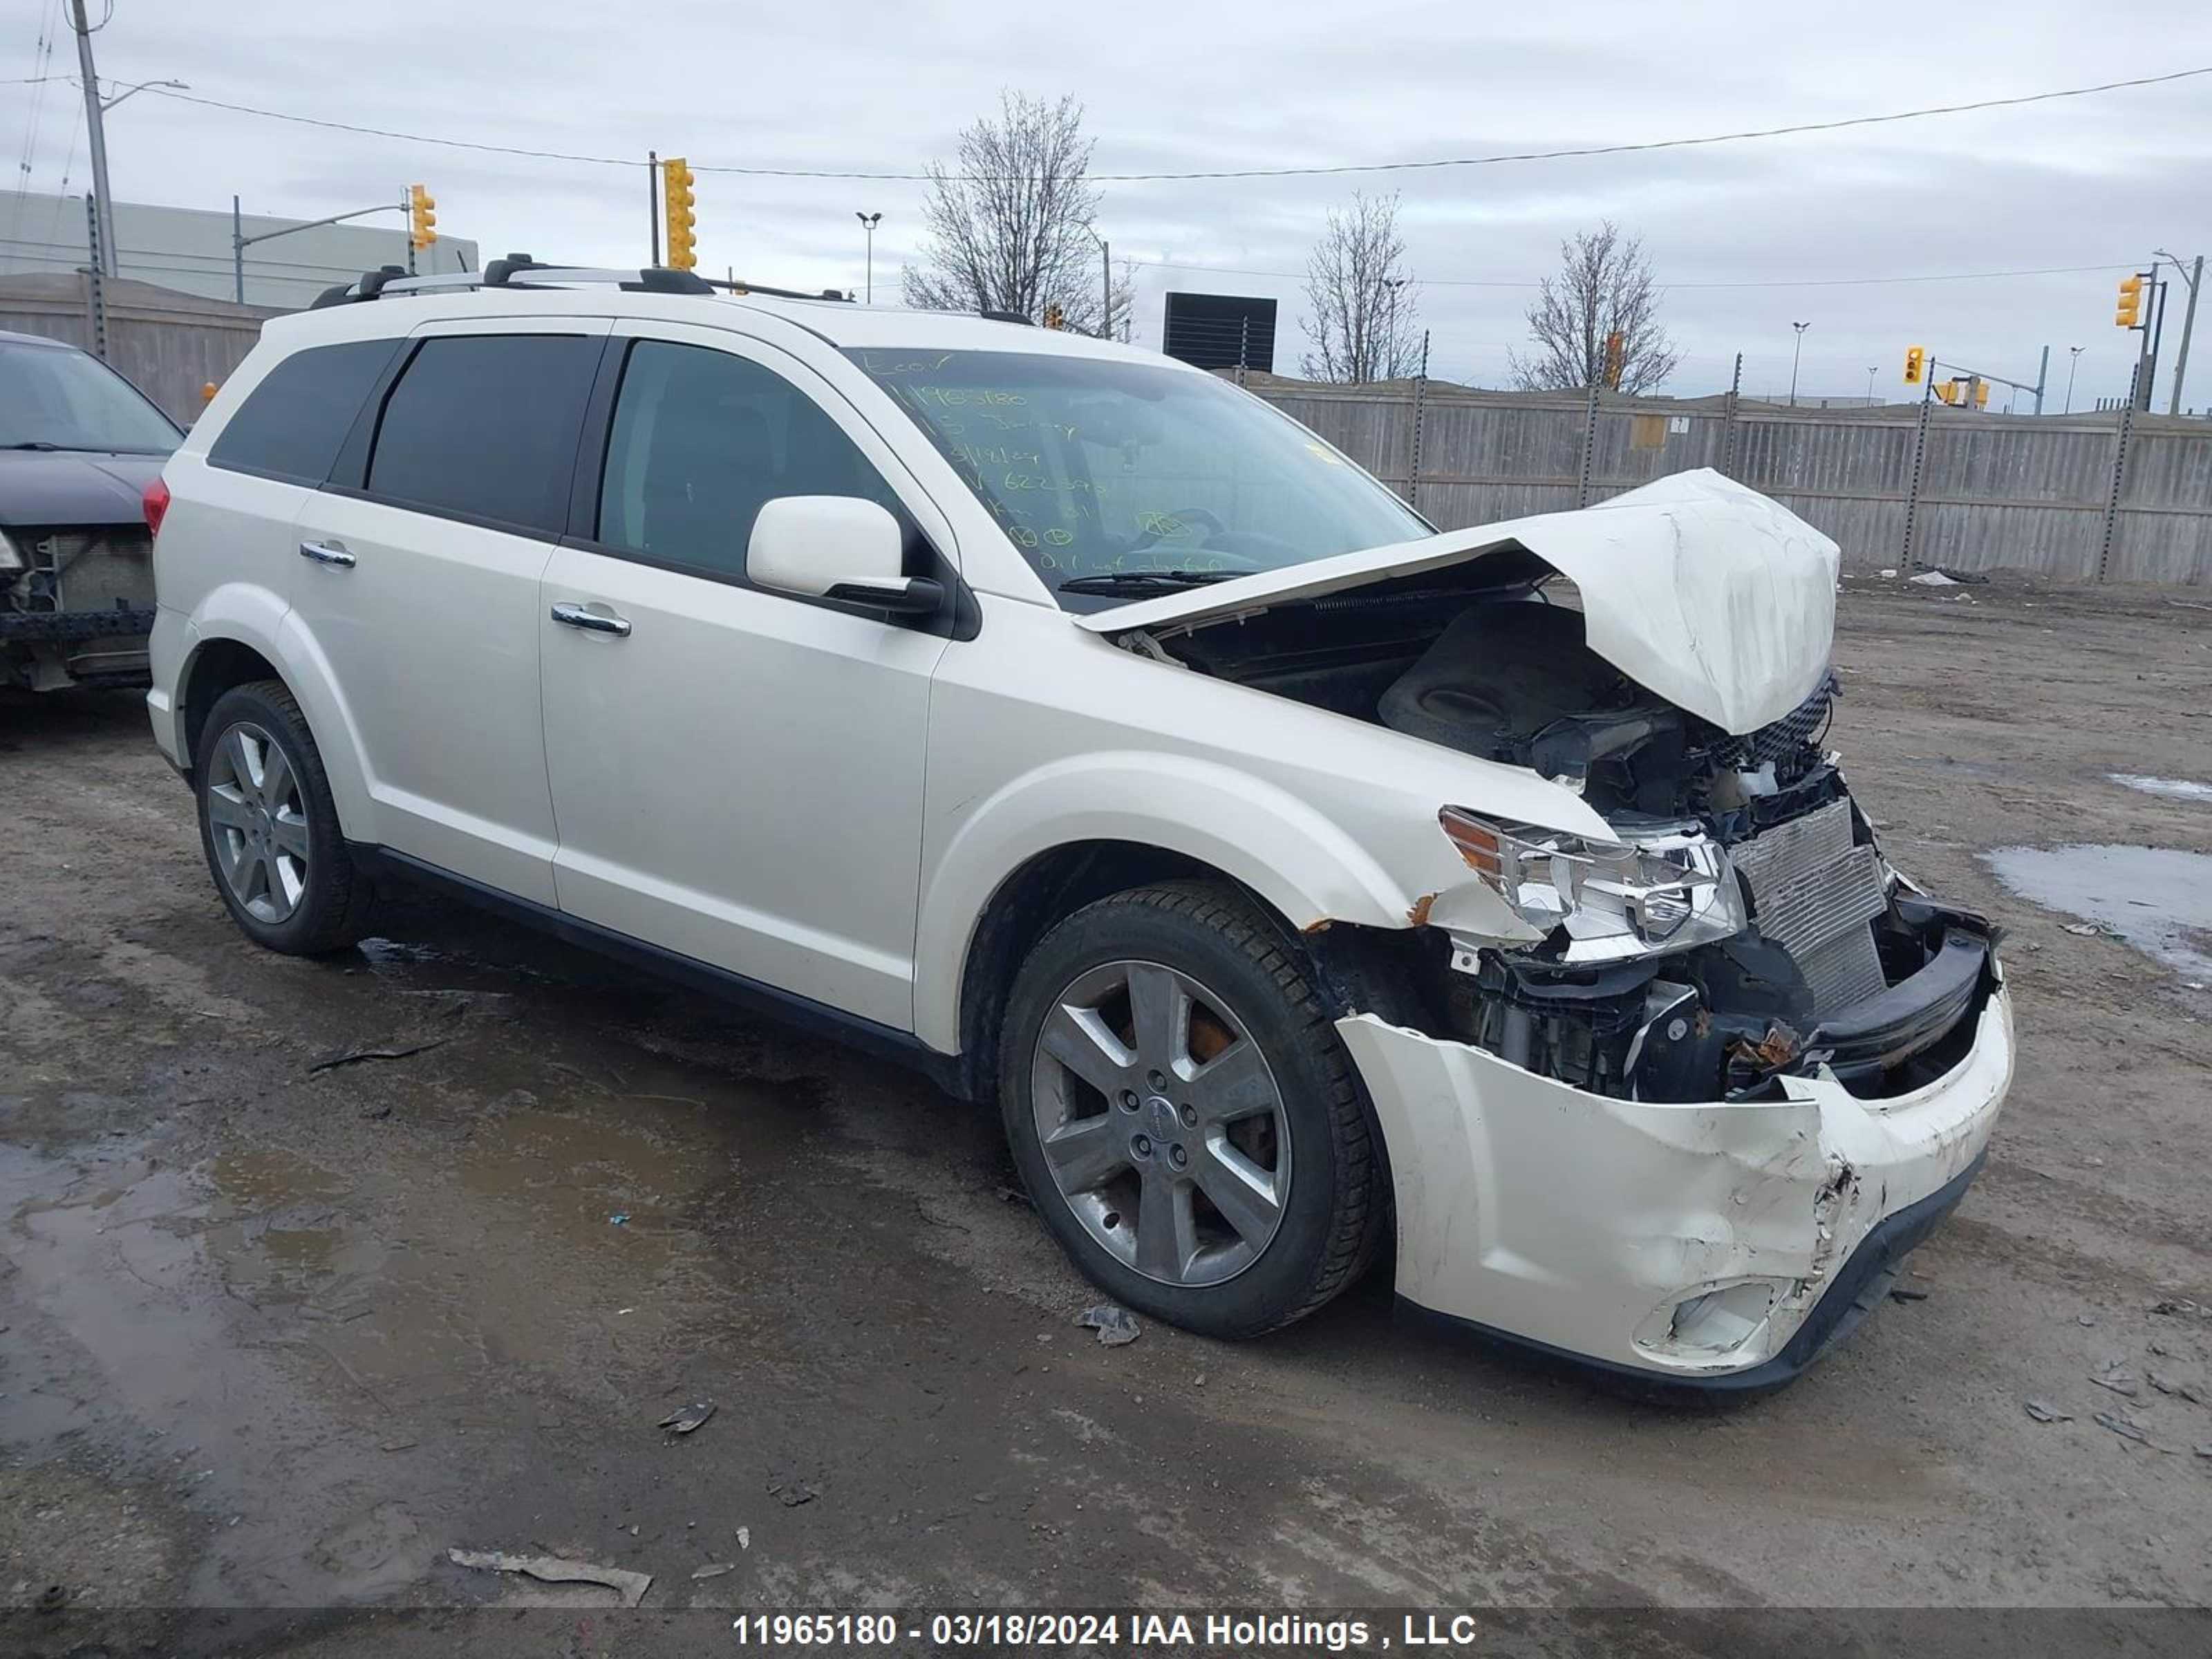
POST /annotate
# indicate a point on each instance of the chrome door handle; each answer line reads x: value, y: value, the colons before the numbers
x: 593, y: 622
x: 328, y: 553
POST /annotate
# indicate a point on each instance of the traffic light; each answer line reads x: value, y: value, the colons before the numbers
x: 676, y: 197
x: 1981, y: 394
x: 1916, y: 364
x: 1616, y: 345
x: 1054, y: 317
x: 2130, y: 314
x: 1948, y: 392
x: 422, y: 217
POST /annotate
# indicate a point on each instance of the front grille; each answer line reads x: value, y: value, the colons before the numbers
x: 97, y: 569
x: 1814, y: 893
x: 1788, y: 741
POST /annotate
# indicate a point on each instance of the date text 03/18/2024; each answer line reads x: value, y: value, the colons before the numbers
x: 1168, y: 1632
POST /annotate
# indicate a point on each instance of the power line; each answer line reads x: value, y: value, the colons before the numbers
x: 1806, y: 282
x: 1218, y: 173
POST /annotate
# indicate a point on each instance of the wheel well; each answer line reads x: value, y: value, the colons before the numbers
x: 1397, y: 973
x: 1050, y: 887
x: 219, y: 665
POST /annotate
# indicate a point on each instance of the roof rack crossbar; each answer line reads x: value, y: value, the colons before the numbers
x: 519, y: 271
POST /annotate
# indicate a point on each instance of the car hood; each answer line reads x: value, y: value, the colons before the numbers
x: 1718, y: 598
x: 59, y: 487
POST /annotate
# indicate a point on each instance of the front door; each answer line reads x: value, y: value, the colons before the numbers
x: 418, y: 588
x: 737, y: 774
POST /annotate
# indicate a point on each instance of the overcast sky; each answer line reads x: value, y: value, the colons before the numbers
x: 1200, y: 83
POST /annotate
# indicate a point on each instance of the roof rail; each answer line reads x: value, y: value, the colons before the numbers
x: 514, y: 272
x: 778, y: 293
x: 1005, y: 316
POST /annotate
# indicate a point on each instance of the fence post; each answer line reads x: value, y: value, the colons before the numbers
x: 2121, y: 437
x: 1589, y: 448
x: 1728, y: 419
x: 1413, y: 464
x: 1912, y: 486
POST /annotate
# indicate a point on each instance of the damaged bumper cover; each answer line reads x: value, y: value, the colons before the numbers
x: 1721, y: 1243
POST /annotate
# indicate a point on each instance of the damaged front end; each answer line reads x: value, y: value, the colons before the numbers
x: 1754, y: 930
x: 1673, y: 1096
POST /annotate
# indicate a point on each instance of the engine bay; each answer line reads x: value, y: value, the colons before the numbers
x: 1842, y: 964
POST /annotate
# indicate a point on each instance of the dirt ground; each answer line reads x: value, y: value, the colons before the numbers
x: 279, y: 1336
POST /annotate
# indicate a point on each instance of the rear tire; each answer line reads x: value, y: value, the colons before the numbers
x: 270, y: 828
x: 1243, y: 1190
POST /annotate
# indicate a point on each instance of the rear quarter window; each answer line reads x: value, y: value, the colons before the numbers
x: 292, y: 425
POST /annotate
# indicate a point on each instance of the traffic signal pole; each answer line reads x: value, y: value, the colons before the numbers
x: 653, y: 195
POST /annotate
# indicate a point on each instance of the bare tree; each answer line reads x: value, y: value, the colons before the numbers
x: 1362, y: 298
x: 1604, y: 287
x: 1009, y: 222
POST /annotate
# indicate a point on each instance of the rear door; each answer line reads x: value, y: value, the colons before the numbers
x: 417, y: 577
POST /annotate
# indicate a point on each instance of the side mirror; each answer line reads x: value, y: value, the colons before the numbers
x: 836, y: 547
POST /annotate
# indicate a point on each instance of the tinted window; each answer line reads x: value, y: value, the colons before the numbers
x: 484, y: 426
x: 700, y: 441
x: 291, y: 425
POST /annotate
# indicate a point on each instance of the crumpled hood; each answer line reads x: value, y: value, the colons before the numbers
x: 1718, y: 598
x: 62, y: 488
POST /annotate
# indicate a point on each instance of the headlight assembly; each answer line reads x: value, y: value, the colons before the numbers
x: 1668, y: 890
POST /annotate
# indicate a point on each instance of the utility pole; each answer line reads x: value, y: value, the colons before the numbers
x: 2194, y: 275
x: 2073, y: 362
x: 1796, y: 352
x: 98, y: 131
x: 868, y: 222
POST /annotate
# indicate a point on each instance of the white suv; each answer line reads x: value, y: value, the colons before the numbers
x: 1304, y: 885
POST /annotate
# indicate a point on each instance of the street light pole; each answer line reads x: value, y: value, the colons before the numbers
x: 2073, y: 362
x: 1796, y: 351
x: 868, y: 222
x: 1870, y: 375
x: 1106, y: 283
x: 104, y: 209
x: 2194, y: 277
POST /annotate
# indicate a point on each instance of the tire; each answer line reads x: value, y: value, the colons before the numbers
x: 1305, y: 1137
x: 270, y: 828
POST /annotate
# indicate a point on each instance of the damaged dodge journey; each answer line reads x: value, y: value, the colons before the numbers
x: 1307, y: 889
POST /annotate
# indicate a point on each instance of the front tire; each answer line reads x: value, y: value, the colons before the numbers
x: 269, y: 828
x: 1184, y: 1117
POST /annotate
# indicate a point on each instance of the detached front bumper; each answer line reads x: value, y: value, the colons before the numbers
x: 1718, y: 1244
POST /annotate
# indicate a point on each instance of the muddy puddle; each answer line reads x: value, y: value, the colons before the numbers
x: 2158, y: 899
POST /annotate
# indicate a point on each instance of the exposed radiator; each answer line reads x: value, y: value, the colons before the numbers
x: 1815, y: 895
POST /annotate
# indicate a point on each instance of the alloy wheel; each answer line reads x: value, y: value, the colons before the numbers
x: 259, y: 819
x: 1161, y: 1122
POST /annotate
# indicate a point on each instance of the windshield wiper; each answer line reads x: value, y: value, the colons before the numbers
x: 1138, y: 581
x: 34, y: 443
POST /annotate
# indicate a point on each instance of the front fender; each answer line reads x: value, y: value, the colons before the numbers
x: 1302, y: 863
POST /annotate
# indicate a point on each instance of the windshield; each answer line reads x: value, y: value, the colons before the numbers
x: 1101, y: 472
x: 56, y: 397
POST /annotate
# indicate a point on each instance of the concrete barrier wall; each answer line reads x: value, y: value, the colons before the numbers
x: 1972, y: 491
